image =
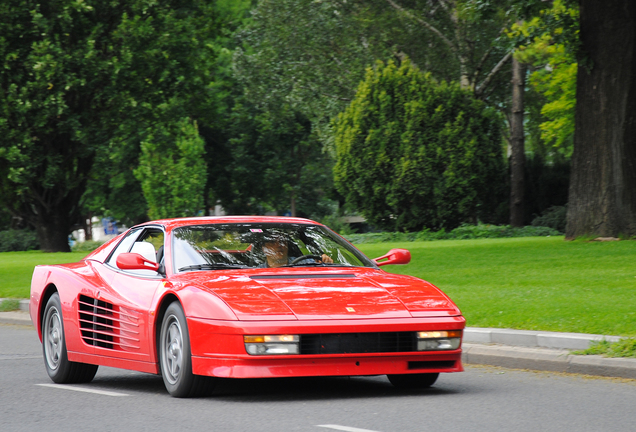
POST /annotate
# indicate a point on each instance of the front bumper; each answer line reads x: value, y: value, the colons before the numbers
x: 218, y: 349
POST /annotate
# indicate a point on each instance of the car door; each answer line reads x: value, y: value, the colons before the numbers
x: 126, y: 302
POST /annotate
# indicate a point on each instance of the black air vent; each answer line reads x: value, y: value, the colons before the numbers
x: 107, y: 326
x: 357, y: 343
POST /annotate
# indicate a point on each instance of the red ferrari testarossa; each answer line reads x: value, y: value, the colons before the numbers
x: 241, y: 297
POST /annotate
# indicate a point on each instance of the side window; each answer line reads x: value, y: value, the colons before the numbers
x: 124, y: 246
x: 147, y: 243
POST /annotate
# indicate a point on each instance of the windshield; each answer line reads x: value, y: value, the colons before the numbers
x: 258, y: 245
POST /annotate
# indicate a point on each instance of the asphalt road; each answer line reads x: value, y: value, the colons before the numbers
x: 480, y: 399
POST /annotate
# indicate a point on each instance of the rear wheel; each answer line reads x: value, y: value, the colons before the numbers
x: 175, y: 356
x: 413, y: 381
x: 59, y: 368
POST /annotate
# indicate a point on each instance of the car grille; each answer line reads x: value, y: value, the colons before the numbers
x: 107, y: 326
x: 356, y: 343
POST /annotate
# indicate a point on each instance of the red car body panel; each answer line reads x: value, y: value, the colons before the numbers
x: 222, y: 306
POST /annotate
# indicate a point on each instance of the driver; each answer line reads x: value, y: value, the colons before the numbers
x: 276, y: 253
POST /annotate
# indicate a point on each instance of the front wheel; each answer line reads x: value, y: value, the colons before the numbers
x: 59, y: 368
x: 175, y: 356
x: 413, y: 381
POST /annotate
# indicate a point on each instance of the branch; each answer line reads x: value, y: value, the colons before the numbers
x: 483, y: 59
x: 425, y: 24
x: 323, y: 94
x: 484, y: 84
x: 443, y: 4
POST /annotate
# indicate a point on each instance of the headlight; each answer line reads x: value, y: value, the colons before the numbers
x: 272, y: 344
x: 438, y: 340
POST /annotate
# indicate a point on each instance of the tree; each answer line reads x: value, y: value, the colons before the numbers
x: 172, y: 171
x: 308, y: 55
x: 602, y: 199
x: 77, y: 77
x: 276, y: 164
x: 548, y: 43
x: 470, y: 30
x: 414, y: 153
x: 313, y: 54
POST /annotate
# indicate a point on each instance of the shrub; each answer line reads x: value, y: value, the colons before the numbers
x: 172, y: 171
x: 18, y: 240
x: 86, y: 246
x: 554, y: 217
x: 463, y: 232
x: 415, y: 153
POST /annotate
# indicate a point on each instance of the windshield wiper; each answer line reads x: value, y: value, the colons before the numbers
x: 215, y: 266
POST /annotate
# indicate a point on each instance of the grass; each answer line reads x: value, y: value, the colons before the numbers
x: 16, y: 269
x: 623, y: 348
x: 9, y: 305
x: 533, y: 283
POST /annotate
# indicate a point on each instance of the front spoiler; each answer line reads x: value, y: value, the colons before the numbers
x: 327, y: 365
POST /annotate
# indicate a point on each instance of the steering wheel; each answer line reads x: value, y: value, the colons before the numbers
x: 304, y: 257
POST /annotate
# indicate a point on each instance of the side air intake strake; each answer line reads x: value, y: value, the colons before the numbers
x: 104, y: 325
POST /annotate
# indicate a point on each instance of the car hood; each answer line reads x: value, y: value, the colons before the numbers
x: 325, y: 294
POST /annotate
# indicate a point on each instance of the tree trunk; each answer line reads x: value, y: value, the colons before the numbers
x: 517, y: 148
x: 602, y: 200
x: 52, y: 229
x: 87, y: 226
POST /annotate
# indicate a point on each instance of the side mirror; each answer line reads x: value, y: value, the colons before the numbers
x: 395, y: 256
x: 134, y: 261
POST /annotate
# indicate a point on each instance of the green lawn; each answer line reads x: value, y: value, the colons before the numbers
x: 532, y: 283
x: 16, y: 269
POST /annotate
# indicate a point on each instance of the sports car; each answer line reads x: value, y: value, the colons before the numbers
x: 197, y: 299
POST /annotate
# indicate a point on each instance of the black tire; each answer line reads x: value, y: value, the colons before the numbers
x: 175, y: 356
x: 413, y: 381
x: 56, y: 361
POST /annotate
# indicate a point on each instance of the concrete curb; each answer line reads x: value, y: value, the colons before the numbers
x: 514, y: 349
x: 530, y: 338
x: 544, y: 359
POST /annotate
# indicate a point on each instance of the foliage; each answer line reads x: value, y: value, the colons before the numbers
x: 414, y: 153
x: 553, y: 217
x: 304, y: 53
x: 113, y: 190
x: 546, y: 185
x: 18, y: 240
x: 86, y: 246
x: 625, y: 347
x: 549, y: 43
x: 78, y: 77
x: 334, y: 222
x: 313, y: 54
x: 172, y: 170
x: 463, y: 232
x: 273, y: 162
